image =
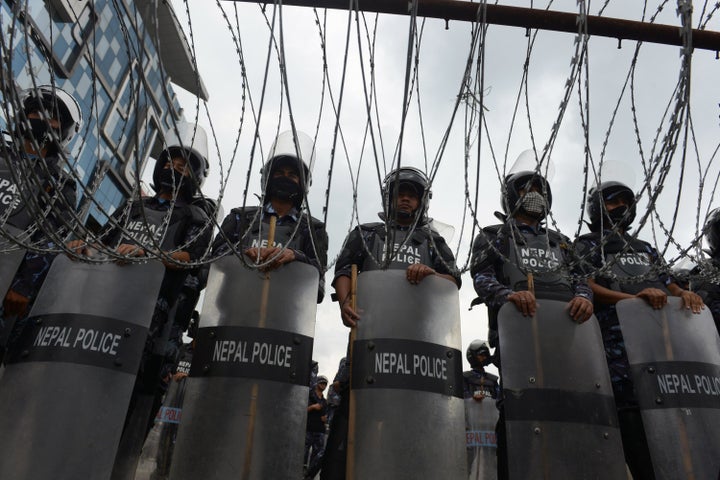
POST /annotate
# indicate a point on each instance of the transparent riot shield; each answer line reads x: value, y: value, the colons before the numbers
x: 245, y: 405
x: 557, y: 395
x: 675, y: 360
x: 480, y: 440
x: 11, y: 255
x: 68, y: 380
x: 406, y: 400
x: 158, y: 449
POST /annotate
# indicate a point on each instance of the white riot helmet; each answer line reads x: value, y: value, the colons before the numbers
x: 288, y: 150
x: 56, y: 102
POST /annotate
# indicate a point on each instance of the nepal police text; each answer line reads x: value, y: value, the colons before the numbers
x: 399, y: 364
x: 264, y: 244
x: 640, y: 259
x: 406, y: 254
x: 689, y: 383
x: 145, y: 233
x: 9, y: 197
x: 85, y: 339
x: 539, y: 258
x: 257, y: 352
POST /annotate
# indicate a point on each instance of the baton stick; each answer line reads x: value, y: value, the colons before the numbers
x: 540, y: 380
x: 254, y: 393
x: 350, y: 465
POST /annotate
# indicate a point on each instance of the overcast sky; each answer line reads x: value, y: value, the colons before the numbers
x: 443, y: 56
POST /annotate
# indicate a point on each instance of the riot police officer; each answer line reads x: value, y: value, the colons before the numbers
x: 170, y: 227
x: 500, y: 267
x: 703, y: 278
x: 479, y: 384
x: 415, y: 247
x: 37, y: 197
x: 636, y: 270
x: 520, y: 261
x: 404, y: 241
x: 298, y: 236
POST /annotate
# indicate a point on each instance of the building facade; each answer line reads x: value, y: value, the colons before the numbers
x: 121, y: 60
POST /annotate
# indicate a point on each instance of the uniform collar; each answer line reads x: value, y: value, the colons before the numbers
x: 524, y: 227
x: 293, y: 213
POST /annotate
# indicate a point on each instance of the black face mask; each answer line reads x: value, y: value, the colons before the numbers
x: 615, y: 216
x: 39, y: 130
x: 284, y: 188
x: 171, y: 179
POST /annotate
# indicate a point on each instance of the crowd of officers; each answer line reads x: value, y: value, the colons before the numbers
x: 585, y: 273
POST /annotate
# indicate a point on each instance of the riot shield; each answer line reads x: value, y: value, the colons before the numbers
x: 245, y: 405
x: 406, y: 400
x: 480, y: 420
x: 68, y: 380
x: 158, y: 449
x: 557, y: 395
x: 10, y: 256
x: 675, y: 361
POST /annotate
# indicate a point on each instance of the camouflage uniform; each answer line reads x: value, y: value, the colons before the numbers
x: 588, y: 247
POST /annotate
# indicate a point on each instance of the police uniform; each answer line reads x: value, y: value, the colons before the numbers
x: 315, y: 433
x: 499, y: 249
x: 636, y: 265
x: 51, y: 218
x: 477, y: 379
x: 708, y: 288
x: 146, y: 224
x: 502, y: 256
x: 367, y: 247
x: 248, y: 227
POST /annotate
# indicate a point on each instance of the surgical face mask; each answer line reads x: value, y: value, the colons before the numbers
x: 533, y: 203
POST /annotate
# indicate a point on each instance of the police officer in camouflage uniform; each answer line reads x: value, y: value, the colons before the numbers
x: 477, y: 383
x: 315, y: 432
x: 503, y: 255
x: 298, y: 236
x: 49, y: 120
x: 170, y: 227
x: 635, y: 270
x: 414, y: 247
x: 704, y: 278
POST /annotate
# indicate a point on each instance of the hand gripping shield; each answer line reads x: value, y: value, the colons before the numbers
x: 558, y: 399
x: 245, y: 405
x: 68, y: 381
x: 675, y: 361
x: 406, y: 386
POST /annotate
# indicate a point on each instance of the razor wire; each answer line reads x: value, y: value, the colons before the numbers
x: 675, y: 141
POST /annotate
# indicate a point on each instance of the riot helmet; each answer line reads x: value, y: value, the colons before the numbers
x: 322, y: 379
x: 413, y: 178
x: 297, y: 152
x: 535, y: 204
x: 55, y: 103
x: 618, y: 217
x: 478, y: 347
x: 712, y: 231
x: 189, y: 142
